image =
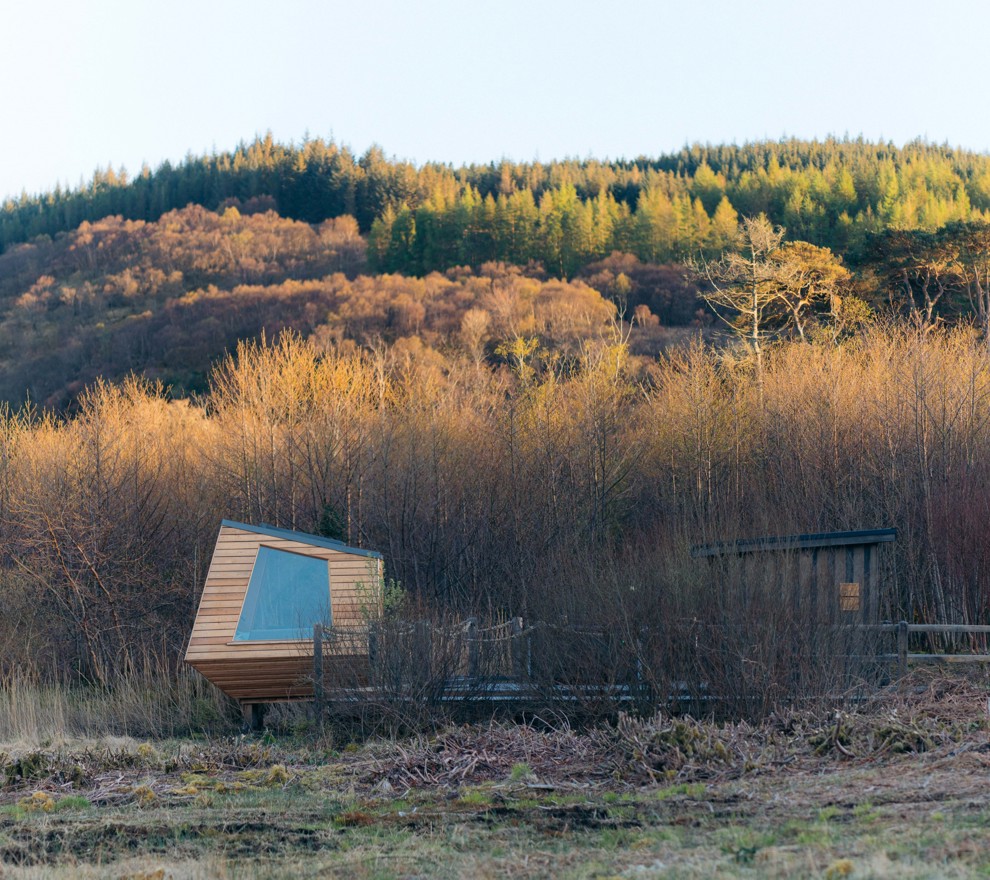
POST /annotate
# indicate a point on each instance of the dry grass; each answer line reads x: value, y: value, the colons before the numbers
x: 894, y: 789
x: 149, y: 704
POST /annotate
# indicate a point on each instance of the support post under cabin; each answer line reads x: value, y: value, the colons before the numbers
x: 253, y: 715
x: 318, y: 698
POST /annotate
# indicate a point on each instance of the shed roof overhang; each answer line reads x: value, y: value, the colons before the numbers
x: 301, y: 537
x: 795, y: 542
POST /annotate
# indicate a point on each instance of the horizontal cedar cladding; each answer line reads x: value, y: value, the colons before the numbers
x: 272, y: 679
x: 280, y: 678
x: 211, y: 641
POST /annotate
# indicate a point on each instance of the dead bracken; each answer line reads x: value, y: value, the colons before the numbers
x: 816, y: 772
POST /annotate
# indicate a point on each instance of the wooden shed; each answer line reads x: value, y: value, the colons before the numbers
x: 265, y: 590
x: 833, y: 576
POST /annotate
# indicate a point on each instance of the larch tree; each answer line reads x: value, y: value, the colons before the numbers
x: 745, y: 290
x: 724, y: 227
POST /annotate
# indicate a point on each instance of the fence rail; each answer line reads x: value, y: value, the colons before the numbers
x: 903, y: 630
x: 513, y: 643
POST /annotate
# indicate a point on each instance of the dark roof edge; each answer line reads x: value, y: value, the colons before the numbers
x: 796, y: 542
x: 301, y: 537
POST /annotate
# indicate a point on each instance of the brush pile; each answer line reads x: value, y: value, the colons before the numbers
x: 930, y: 718
x: 489, y: 754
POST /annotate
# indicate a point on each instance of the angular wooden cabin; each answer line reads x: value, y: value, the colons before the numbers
x: 834, y: 576
x: 265, y: 589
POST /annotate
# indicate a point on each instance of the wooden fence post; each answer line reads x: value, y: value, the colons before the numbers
x: 517, y: 648
x: 372, y: 647
x: 902, y: 648
x: 424, y: 649
x: 472, y: 646
x: 318, y: 701
x: 638, y: 648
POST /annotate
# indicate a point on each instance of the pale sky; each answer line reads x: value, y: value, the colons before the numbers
x: 91, y: 82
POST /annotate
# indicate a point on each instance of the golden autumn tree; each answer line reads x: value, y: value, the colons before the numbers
x: 806, y: 276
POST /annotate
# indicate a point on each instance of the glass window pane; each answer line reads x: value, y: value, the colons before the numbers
x: 287, y: 594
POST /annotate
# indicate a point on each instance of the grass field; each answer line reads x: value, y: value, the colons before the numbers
x: 897, y: 789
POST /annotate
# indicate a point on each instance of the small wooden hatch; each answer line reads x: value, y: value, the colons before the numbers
x: 265, y: 589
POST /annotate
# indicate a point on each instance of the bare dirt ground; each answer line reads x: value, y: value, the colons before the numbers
x: 897, y: 788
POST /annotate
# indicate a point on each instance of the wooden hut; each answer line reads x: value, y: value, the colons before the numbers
x: 265, y: 590
x: 834, y: 576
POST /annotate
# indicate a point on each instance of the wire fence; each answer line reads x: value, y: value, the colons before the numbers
x: 415, y: 667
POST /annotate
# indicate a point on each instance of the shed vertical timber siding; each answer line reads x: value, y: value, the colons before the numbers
x: 269, y: 670
x: 815, y: 566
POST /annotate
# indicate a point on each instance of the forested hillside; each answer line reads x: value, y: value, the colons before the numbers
x: 486, y: 262
x: 563, y: 213
x: 166, y: 299
x: 163, y: 273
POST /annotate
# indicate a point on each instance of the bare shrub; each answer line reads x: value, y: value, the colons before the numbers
x: 568, y: 498
x: 407, y: 673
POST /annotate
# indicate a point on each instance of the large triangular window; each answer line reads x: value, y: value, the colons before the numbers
x: 287, y: 594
